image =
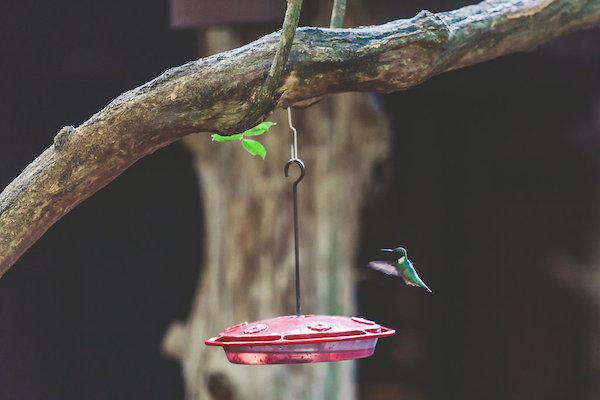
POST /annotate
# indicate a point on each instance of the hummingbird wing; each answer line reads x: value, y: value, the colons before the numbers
x: 404, y: 270
x: 384, y: 266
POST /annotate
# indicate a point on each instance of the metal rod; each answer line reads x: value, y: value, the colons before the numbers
x: 295, y: 139
x: 296, y: 246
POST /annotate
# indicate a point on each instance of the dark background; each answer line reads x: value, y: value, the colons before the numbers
x: 83, y: 312
x: 494, y: 191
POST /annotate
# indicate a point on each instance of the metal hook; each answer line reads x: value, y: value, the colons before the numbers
x: 302, y: 169
x: 295, y: 143
x: 296, y: 251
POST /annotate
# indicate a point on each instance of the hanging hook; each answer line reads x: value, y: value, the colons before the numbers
x: 295, y: 160
x: 295, y: 142
x: 302, y: 169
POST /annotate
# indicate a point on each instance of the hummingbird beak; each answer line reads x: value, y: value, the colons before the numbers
x: 390, y: 250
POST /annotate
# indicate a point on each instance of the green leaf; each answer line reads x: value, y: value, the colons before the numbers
x: 230, y: 138
x: 255, y: 148
x: 258, y: 129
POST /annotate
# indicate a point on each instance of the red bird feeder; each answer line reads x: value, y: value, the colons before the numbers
x: 305, y: 339
x: 294, y: 339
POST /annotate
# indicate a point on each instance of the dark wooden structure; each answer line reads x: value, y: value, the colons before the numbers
x: 204, y: 13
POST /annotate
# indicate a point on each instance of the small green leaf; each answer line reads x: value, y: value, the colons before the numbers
x: 255, y: 148
x: 230, y: 138
x: 258, y: 129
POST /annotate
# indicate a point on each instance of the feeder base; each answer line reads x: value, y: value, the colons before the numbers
x: 295, y: 358
x: 301, y: 353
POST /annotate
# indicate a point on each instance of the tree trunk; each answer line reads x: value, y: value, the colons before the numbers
x: 248, y: 274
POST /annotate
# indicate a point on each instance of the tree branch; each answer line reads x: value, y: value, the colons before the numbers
x: 263, y: 100
x: 212, y: 95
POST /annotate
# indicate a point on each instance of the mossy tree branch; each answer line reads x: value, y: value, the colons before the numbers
x: 213, y: 95
x: 264, y: 100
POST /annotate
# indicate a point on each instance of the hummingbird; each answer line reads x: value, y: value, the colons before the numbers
x: 403, y: 268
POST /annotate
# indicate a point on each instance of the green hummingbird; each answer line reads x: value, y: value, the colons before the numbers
x: 403, y: 268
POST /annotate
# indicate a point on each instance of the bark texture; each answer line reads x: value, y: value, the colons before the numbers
x: 202, y: 96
